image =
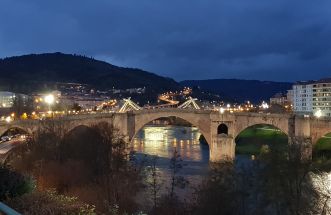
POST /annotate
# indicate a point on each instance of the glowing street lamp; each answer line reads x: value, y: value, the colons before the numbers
x: 222, y: 110
x: 49, y: 99
x: 8, y: 119
x: 318, y: 113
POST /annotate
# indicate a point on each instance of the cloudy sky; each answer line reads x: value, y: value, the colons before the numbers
x: 282, y: 40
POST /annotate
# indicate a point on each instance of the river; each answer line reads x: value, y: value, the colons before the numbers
x: 161, y: 141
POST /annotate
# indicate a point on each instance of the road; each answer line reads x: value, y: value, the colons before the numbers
x: 5, y: 147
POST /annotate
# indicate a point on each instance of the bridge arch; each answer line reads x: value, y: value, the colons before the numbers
x: 15, y: 130
x: 143, y: 119
x: 322, y: 147
x: 319, y: 133
x: 241, y: 127
x: 251, y: 139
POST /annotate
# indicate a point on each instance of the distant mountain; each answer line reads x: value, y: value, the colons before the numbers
x: 240, y: 90
x: 31, y: 72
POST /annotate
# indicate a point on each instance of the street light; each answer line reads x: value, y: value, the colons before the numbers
x: 222, y: 110
x: 50, y: 99
x: 8, y: 119
x: 318, y: 113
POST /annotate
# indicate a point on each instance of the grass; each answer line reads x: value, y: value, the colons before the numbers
x: 251, y: 140
x: 322, y: 149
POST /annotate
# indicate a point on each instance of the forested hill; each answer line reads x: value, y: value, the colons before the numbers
x: 241, y: 90
x: 27, y: 72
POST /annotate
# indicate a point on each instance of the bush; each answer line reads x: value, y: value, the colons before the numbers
x: 49, y: 202
x: 13, y: 184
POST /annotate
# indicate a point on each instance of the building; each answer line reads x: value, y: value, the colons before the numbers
x: 279, y: 99
x: 7, y: 99
x: 322, y: 97
x: 312, y: 97
x: 303, y: 97
x: 289, y: 96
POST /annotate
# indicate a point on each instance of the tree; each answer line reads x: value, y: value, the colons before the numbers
x: 154, y: 181
x: 90, y: 163
x: 218, y: 192
x: 76, y: 107
x: 22, y: 104
x: 287, y: 182
x: 170, y: 203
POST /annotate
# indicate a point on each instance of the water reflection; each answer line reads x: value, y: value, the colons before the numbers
x: 161, y: 141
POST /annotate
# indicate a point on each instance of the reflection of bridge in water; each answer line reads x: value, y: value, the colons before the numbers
x: 219, y: 129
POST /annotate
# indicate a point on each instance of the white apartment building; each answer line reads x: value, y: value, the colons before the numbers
x: 6, y: 99
x: 322, y: 97
x: 312, y: 96
x: 303, y: 97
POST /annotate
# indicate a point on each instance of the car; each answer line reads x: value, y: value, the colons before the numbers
x: 6, y: 138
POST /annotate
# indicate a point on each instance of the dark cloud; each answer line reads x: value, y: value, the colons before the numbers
x: 186, y: 39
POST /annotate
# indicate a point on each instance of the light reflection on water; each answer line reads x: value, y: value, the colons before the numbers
x: 162, y: 140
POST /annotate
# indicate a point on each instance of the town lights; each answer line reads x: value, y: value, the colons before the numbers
x: 265, y: 105
x: 8, y: 119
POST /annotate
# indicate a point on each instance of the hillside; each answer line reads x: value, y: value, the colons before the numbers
x: 31, y: 72
x: 240, y: 90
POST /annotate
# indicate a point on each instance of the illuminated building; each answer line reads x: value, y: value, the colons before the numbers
x: 7, y: 99
x: 312, y: 96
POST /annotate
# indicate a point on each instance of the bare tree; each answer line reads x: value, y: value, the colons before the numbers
x: 154, y: 181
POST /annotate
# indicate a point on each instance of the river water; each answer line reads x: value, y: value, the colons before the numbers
x: 162, y: 141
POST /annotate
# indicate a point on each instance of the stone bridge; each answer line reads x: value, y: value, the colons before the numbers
x: 219, y: 129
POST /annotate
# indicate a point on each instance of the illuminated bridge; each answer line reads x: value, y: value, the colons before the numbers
x: 219, y: 129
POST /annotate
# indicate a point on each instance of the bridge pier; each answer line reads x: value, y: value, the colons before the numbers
x: 222, y: 148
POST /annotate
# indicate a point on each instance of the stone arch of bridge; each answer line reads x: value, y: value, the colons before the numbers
x: 321, y: 146
x: 75, y: 127
x: 240, y: 127
x: 204, y: 129
x: 320, y: 133
x: 262, y: 138
x: 258, y: 125
x: 19, y: 128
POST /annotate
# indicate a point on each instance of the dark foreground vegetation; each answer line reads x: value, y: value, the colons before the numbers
x: 89, y: 170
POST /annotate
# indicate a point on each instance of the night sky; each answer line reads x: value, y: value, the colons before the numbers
x: 280, y: 40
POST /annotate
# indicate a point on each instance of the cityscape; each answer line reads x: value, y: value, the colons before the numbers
x: 165, y: 108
